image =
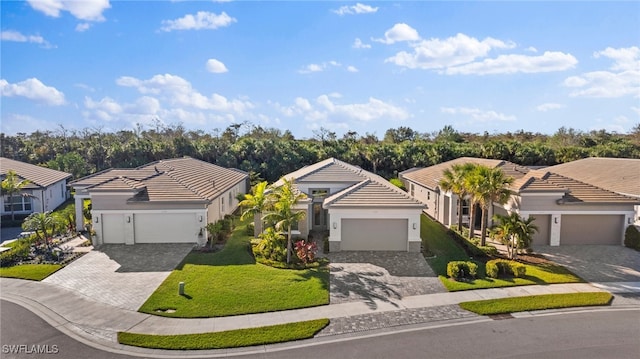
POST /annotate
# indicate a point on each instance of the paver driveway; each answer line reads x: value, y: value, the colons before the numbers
x: 120, y: 275
x: 372, y: 275
x: 597, y: 263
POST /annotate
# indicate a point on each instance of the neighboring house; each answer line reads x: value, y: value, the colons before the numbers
x: 47, y: 188
x: 567, y: 207
x: 168, y: 201
x: 360, y: 210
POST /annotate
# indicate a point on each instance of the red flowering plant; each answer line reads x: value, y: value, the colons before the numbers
x: 306, y: 251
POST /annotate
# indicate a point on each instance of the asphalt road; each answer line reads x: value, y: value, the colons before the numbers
x: 593, y: 334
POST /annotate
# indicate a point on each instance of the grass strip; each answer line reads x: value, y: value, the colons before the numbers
x: 227, y: 339
x: 36, y: 272
x: 537, y: 302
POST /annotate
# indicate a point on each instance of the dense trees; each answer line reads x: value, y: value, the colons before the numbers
x: 269, y: 153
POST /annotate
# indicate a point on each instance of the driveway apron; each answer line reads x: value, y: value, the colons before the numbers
x: 123, y: 276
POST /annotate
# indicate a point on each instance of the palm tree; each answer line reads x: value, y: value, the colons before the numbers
x: 12, y: 185
x: 454, y: 181
x: 491, y: 187
x: 471, y: 184
x: 514, y: 231
x: 44, y: 225
x: 283, y: 200
x: 255, y: 204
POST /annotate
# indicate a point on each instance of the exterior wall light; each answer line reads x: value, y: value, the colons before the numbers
x: 200, y: 219
x: 555, y: 220
x: 415, y: 226
x: 128, y: 219
x: 335, y: 225
x: 97, y: 219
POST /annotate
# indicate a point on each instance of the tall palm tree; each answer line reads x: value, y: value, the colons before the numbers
x: 491, y: 187
x: 454, y: 181
x: 514, y: 231
x: 12, y: 185
x: 283, y: 200
x: 255, y: 204
x: 471, y: 184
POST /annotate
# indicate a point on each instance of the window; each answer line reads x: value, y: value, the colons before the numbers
x: 62, y: 190
x: 222, y: 199
x: 230, y: 199
x: 20, y: 204
x: 319, y: 193
x: 428, y: 195
x: 465, y: 208
x: 413, y: 188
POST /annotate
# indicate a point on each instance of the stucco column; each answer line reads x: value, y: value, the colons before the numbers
x: 556, y: 222
x: 79, y: 216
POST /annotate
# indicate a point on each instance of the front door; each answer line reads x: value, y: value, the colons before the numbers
x: 319, y: 217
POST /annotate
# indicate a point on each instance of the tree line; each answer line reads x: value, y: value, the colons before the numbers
x: 268, y: 153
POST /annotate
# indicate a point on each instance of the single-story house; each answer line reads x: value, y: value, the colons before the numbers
x: 568, y: 208
x: 168, y: 201
x: 360, y: 210
x: 46, y: 190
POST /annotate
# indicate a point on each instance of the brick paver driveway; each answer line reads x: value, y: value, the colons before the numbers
x: 120, y: 275
x: 368, y: 276
x: 597, y: 263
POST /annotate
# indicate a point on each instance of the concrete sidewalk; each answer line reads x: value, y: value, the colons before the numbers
x: 100, y: 321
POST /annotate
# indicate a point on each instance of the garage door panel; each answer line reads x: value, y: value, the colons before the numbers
x: 591, y: 229
x: 165, y: 227
x: 543, y: 235
x: 374, y: 234
x: 113, y: 228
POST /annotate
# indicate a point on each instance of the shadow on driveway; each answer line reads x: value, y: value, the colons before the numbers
x: 161, y: 257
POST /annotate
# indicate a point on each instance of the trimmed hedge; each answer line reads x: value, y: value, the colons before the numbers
x: 632, y: 238
x: 462, y: 269
x: 496, y: 267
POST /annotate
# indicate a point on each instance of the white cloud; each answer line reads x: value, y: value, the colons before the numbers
x: 622, y: 80
x: 549, y: 106
x: 355, y: 9
x: 636, y: 110
x: 477, y: 115
x: 358, y: 44
x: 16, y: 36
x: 352, y: 68
x: 318, y: 67
x: 87, y: 10
x: 531, y: 49
x: 513, y: 63
x: 178, y: 91
x: 33, y: 89
x: 399, y: 32
x: 15, y: 123
x: 201, y: 20
x: 216, y: 66
x: 453, y: 51
x: 82, y: 27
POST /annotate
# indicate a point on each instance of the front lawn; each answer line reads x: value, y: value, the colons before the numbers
x: 446, y: 249
x: 29, y: 271
x: 226, y: 339
x: 537, y: 302
x: 229, y: 282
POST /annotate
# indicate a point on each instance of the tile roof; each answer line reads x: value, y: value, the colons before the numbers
x: 620, y: 175
x: 369, y: 193
x: 38, y: 176
x: 179, y: 179
x: 580, y: 192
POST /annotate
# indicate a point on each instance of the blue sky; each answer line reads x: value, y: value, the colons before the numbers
x: 345, y: 66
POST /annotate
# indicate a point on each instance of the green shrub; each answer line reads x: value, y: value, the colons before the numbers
x: 505, y: 267
x: 489, y: 251
x: 19, y: 251
x: 272, y: 246
x: 398, y: 183
x: 632, y: 238
x: 462, y: 269
x: 250, y: 229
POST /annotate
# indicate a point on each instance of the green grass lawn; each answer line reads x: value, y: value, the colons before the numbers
x: 537, y: 302
x: 446, y: 249
x: 227, y: 339
x: 229, y: 282
x: 29, y: 271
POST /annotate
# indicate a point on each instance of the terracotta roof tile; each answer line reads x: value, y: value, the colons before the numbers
x: 38, y: 176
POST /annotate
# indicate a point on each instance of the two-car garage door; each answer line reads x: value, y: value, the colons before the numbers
x: 591, y: 229
x: 374, y: 234
x: 149, y: 228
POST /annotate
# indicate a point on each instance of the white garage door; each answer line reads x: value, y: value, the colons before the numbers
x: 166, y: 228
x: 112, y: 228
x: 591, y: 229
x: 374, y: 235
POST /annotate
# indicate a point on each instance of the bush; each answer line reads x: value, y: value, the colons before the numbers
x: 632, y: 238
x: 496, y: 267
x: 398, y: 183
x: 469, y: 246
x: 19, y: 251
x: 462, y: 269
x: 250, y: 229
x: 306, y: 251
x: 489, y: 251
x: 272, y: 247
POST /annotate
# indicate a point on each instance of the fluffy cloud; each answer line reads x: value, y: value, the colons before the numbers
x: 352, y: 69
x: 325, y: 108
x: 477, y: 115
x: 199, y: 21
x: 318, y: 67
x: 355, y: 9
x: 510, y: 64
x: 33, y: 89
x: 398, y: 33
x: 16, y: 36
x: 358, y: 44
x: 87, y: 10
x: 178, y: 91
x: 216, y: 66
x: 622, y: 80
x: 82, y: 27
x: 453, y: 51
x: 549, y: 106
